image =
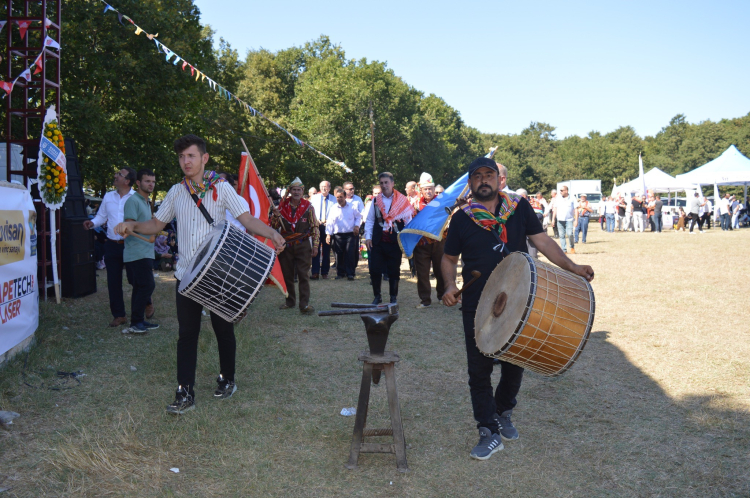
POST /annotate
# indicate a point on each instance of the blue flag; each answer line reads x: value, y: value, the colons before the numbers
x: 431, y: 221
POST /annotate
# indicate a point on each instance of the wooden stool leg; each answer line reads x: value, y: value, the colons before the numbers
x: 398, y: 430
x: 361, y: 416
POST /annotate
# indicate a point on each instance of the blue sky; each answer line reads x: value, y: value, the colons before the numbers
x: 578, y: 65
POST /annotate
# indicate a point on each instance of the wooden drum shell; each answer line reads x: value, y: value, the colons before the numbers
x: 534, y: 315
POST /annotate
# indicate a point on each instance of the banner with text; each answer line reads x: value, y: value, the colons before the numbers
x: 19, y: 297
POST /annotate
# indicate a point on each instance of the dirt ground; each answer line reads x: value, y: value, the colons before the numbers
x: 657, y: 405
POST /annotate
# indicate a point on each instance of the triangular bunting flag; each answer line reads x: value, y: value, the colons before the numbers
x: 203, y: 77
x: 38, y: 64
x: 184, y: 63
x: 108, y: 7
x: 197, y: 75
x: 138, y: 30
x: 49, y: 42
x: 177, y: 59
x: 168, y: 52
x: 26, y: 75
x: 192, y: 70
x: 2, y: 24
x: 119, y: 18
x: 7, y: 86
x: 47, y: 23
x: 23, y: 26
x: 151, y: 37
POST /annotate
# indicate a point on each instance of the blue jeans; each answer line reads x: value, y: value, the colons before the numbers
x: 565, y: 228
x: 657, y: 222
x: 725, y: 222
x: 583, y: 226
x: 610, y: 222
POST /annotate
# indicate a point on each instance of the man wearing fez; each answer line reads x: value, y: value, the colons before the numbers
x: 390, y: 212
x: 295, y: 219
x: 428, y: 252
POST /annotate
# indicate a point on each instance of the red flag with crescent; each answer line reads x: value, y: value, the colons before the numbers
x: 251, y: 189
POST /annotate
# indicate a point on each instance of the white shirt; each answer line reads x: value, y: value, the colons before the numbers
x: 357, y: 203
x: 724, y: 206
x: 322, y: 205
x: 231, y: 219
x: 566, y: 207
x: 111, y: 212
x: 550, y: 205
x: 370, y: 220
x: 192, y: 227
x: 610, y: 207
x: 342, y: 219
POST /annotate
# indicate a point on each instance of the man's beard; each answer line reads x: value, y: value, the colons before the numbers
x: 484, y: 197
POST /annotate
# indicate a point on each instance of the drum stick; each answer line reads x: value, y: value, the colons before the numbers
x: 150, y: 240
x: 475, y: 274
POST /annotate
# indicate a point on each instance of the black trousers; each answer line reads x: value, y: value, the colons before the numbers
x: 142, y: 278
x: 113, y: 259
x: 346, y: 246
x: 484, y: 404
x: 695, y: 219
x: 189, y: 320
x: 325, y: 253
x: 385, y: 257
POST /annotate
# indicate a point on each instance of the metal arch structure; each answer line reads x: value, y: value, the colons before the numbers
x: 26, y: 106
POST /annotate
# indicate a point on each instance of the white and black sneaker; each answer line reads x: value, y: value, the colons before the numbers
x: 225, y: 388
x: 488, y: 444
x: 506, y: 428
x: 183, y: 402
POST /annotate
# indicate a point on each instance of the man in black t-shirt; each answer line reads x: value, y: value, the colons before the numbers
x: 482, y: 234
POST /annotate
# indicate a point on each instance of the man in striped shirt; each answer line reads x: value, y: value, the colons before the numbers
x: 217, y: 197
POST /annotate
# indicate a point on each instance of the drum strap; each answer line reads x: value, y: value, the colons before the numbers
x: 203, y: 209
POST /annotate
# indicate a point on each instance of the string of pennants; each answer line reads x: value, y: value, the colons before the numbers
x: 23, y: 26
x: 176, y: 60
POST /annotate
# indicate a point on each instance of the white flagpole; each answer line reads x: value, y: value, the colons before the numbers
x: 640, y: 173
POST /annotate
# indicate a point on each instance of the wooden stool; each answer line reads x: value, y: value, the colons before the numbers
x: 384, y: 362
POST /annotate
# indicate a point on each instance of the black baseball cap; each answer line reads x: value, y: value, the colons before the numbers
x: 482, y: 162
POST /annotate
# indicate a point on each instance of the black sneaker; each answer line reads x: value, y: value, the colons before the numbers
x: 488, y: 444
x: 183, y: 402
x: 507, y: 431
x: 150, y: 326
x: 377, y: 300
x: 225, y: 388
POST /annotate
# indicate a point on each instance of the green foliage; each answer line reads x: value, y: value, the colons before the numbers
x: 124, y: 105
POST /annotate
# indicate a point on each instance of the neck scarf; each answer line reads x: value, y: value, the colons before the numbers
x: 400, y: 209
x: 286, y: 211
x: 487, y: 220
x: 210, y: 179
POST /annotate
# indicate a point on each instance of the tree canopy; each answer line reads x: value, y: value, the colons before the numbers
x: 124, y: 105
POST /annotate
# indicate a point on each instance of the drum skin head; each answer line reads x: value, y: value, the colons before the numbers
x: 506, y: 295
x: 202, y: 255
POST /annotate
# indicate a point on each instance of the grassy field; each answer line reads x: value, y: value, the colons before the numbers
x: 657, y: 405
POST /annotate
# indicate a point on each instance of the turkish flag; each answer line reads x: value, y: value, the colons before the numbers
x: 251, y: 189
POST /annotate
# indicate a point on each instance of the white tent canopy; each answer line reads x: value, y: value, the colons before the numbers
x: 730, y: 168
x: 656, y: 180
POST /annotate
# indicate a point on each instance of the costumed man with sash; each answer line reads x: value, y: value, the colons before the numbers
x: 428, y: 252
x: 492, y: 225
x: 389, y: 213
x: 296, y: 221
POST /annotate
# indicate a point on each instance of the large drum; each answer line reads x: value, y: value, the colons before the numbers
x: 534, y: 315
x: 227, y: 271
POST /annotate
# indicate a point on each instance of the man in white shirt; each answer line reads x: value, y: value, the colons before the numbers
x: 707, y: 210
x: 412, y: 193
x: 610, y: 207
x: 389, y: 213
x: 111, y: 213
x: 353, y: 198
x: 565, y: 214
x: 216, y: 196
x: 724, y: 210
x: 322, y: 203
x: 342, y: 232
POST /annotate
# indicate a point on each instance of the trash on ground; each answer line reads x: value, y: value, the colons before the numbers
x: 175, y: 470
x: 348, y: 412
x: 7, y: 417
x: 132, y: 368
